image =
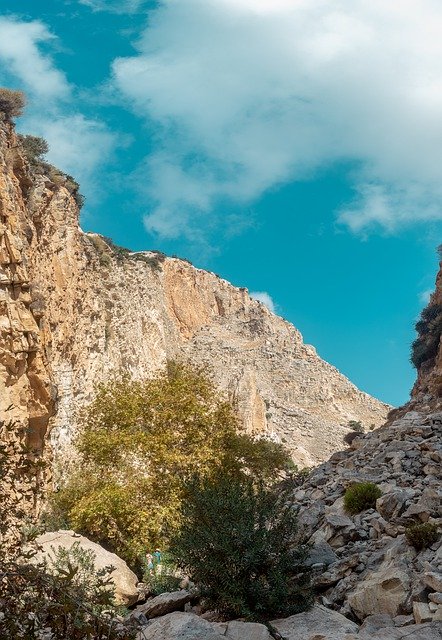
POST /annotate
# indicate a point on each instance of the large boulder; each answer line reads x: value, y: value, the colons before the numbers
x: 124, y: 579
x: 237, y: 630
x: 179, y: 626
x: 164, y: 603
x: 383, y: 591
x: 317, y: 624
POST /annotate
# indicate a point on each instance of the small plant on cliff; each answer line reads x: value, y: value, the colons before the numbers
x: 422, y: 536
x: 361, y: 496
x: 237, y: 541
x: 35, y: 148
x: 12, y: 102
x: 138, y: 442
x: 355, y: 425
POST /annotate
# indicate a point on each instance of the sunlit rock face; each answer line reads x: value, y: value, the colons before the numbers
x: 74, y: 310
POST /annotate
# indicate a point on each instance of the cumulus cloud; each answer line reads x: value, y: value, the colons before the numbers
x: 78, y: 145
x: 265, y: 298
x: 250, y: 94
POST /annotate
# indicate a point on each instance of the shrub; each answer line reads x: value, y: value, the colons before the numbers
x: 237, y: 542
x: 429, y: 328
x: 12, y: 102
x: 361, y: 496
x: 355, y: 425
x: 137, y: 444
x: 422, y: 536
x: 35, y: 148
x: 65, y: 598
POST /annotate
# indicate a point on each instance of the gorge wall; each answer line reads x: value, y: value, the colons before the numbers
x: 74, y: 309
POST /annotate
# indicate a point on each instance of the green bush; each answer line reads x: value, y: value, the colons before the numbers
x: 138, y: 442
x: 12, y: 102
x: 355, y: 425
x: 35, y: 148
x: 63, y: 598
x: 429, y: 328
x: 361, y: 496
x: 238, y: 542
x: 422, y: 536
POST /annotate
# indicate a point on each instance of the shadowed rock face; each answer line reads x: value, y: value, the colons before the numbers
x: 73, y: 311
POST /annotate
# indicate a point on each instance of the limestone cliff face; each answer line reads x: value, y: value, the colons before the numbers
x: 26, y: 390
x: 79, y: 310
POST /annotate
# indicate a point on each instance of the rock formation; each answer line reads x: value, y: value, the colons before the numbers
x: 76, y: 309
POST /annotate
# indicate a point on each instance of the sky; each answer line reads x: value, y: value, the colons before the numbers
x: 294, y: 147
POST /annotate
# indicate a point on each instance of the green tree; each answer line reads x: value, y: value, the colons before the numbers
x: 237, y: 541
x: 139, y: 442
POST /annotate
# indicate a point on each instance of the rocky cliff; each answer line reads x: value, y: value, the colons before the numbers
x: 74, y: 309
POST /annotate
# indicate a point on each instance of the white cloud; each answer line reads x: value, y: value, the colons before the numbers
x: 19, y: 50
x: 114, y: 6
x: 264, y: 297
x: 249, y: 94
x: 78, y: 145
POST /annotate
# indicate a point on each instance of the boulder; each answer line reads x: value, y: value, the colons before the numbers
x: 237, y: 630
x: 179, y: 626
x: 124, y: 579
x: 164, y: 603
x: 317, y: 624
x: 428, y: 631
x: 382, y: 591
x: 433, y: 580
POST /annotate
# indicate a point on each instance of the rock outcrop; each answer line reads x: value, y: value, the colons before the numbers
x: 76, y: 309
x: 375, y: 570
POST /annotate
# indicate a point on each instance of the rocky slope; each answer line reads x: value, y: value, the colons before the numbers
x: 90, y: 310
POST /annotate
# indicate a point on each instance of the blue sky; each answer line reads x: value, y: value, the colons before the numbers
x: 293, y: 147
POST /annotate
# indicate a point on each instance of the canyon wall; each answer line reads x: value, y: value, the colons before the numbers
x: 75, y: 309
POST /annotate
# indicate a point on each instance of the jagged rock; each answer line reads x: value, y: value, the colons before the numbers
x: 124, y: 579
x: 179, y: 626
x: 421, y: 612
x: 317, y: 624
x: 164, y: 603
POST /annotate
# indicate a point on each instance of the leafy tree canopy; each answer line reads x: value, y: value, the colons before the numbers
x: 139, y: 442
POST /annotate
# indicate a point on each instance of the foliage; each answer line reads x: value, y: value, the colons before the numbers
x: 138, y: 442
x: 63, y: 598
x: 361, y: 496
x: 12, y: 102
x: 162, y: 578
x: 429, y: 328
x: 237, y: 542
x: 422, y: 536
x: 355, y: 425
x: 34, y: 147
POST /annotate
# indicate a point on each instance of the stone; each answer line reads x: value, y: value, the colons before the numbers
x: 237, y: 630
x: 433, y: 580
x: 317, y: 623
x: 179, y: 626
x: 165, y: 603
x: 321, y: 553
x: 427, y: 631
x: 383, y: 591
x: 435, y: 597
x: 124, y: 579
x: 421, y: 612
x: 375, y: 622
